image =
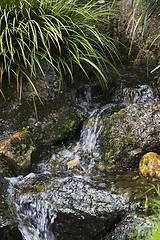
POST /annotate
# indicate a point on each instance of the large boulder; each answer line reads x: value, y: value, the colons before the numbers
x: 57, y: 119
x: 72, y: 207
x: 130, y: 133
x: 55, y: 125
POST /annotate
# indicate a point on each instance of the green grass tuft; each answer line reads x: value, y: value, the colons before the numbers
x: 62, y: 33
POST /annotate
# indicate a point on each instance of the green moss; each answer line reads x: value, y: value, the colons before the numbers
x: 66, y: 126
x: 50, y: 132
x: 117, y: 147
x: 145, y: 161
x: 112, y: 134
x: 21, y: 149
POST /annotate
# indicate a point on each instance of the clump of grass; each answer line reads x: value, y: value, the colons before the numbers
x: 141, y: 28
x: 142, y: 10
x: 155, y: 233
x: 154, y: 205
x: 62, y: 33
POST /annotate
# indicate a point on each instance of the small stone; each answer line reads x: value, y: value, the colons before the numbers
x: 16, y: 151
x: 150, y: 165
x: 73, y: 163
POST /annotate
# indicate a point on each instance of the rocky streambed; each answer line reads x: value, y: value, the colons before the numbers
x: 73, y: 173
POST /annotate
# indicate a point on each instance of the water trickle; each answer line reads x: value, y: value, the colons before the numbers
x: 31, y: 201
x: 91, y: 131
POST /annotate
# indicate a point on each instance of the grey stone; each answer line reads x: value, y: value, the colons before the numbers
x: 130, y: 133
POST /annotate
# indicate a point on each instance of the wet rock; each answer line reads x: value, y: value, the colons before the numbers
x: 55, y: 125
x: 5, y: 170
x: 57, y: 119
x: 8, y: 228
x: 15, y: 153
x: 130, y: 133
x: 131, y: 227
x: 75, y: 208
x: 150, y: 165
x: 88, y: 212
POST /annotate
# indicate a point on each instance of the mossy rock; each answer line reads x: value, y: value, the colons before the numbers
x: 131, y: 132
x: 56, y: 127
x: 131, y: 227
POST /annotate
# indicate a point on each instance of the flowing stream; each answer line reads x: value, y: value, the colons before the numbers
x: 32, y: 211
x: 31, y: 205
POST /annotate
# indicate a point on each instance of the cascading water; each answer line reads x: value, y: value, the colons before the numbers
x: 84, y: 151
x: 33, y: 217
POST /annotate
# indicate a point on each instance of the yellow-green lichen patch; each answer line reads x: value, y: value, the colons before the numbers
x: 121, y: 112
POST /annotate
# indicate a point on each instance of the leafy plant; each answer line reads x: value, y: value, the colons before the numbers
x: 62, y: 33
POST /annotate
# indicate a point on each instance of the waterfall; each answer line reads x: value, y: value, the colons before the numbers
x: 30, y: 196
x: 91, y: 131
x: 32, y: 207
x: 86, y: 151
